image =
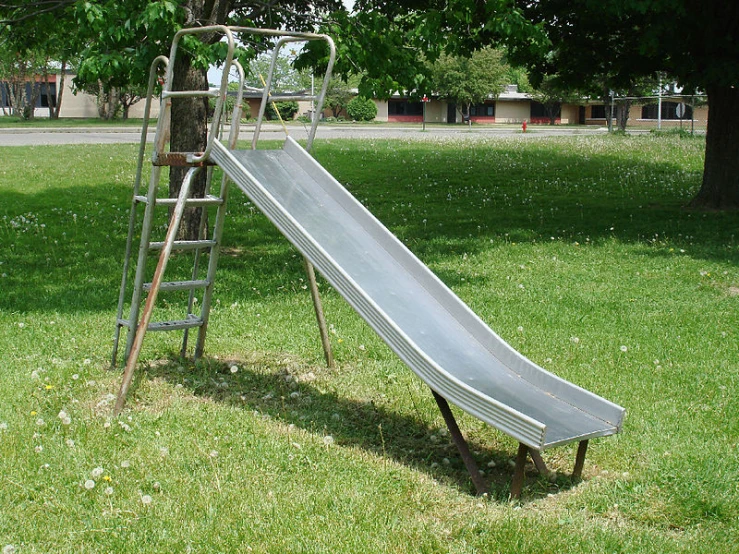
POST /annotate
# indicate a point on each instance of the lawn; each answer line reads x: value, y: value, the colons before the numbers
x: 577, y: 250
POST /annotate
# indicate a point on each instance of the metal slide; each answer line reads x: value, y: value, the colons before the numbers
x: 419, y: 317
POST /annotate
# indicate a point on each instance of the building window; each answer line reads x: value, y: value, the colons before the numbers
x: 539, y: 111
x: 598, y: 111
x: 669, y: 111
x: 482, y: 110
x: 4, y: 95
x: 404, y: 107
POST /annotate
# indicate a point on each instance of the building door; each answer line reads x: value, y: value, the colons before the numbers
x: 451, y: 113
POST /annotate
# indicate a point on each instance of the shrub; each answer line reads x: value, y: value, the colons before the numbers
x: 361, y: 109
x: 287, y: 110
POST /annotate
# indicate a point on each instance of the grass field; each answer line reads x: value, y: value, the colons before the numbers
x: 578, y: 251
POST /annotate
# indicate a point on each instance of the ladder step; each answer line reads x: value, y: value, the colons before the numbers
x: 180, y: 285
x: 184, y: 245
x: 174, y: 325
x: 209, y: 200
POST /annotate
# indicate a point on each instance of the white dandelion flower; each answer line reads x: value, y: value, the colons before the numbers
x: 89, y: 484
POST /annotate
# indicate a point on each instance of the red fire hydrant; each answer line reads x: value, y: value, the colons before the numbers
x: 523, y: 126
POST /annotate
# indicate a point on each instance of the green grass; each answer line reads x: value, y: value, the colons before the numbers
x: 46, y: 122
x: 578, y: 251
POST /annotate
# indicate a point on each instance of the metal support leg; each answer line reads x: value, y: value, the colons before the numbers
x: 318, y: 306
x: 519, y: 473
x: 582, y: 449
x: 541, y: 467
x: 464, y: 450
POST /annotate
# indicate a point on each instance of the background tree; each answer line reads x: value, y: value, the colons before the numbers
x: 338, y: 95
x: 36, y: 43
x: 552, y: 94
x: 468, y: 80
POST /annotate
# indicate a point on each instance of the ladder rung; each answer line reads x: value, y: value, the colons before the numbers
x: 292, y: 97
x: 213, y: 93
x: 180, y: 285
x: 174, y: 325
x: 207, y: 201
x: 185, y: 244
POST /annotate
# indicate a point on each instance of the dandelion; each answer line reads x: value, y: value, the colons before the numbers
x: 40, y: 422
x: 9, y: 549
x: 108, y: 491
x: 624, y: 348
x: 328, y: 440
x: 97, y: 472
x: 64, y: 417
x: 125, y: 464
x: 39, y: 449
x: 89, y: 484
x: 234, y: 368
x: 520, y: 329
x: 213, y: 453
x: 69, y: 443
x: 146, y: 500
x: 575, y: 340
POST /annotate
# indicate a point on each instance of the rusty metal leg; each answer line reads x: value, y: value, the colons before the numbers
x: 580, y: 459
x: 519, y: 473
x: 541, y: 467
x: 458, y: 439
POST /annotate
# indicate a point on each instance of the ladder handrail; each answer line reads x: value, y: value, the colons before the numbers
x: 315, y: 117
x: 228, y: 32
x: 153, y: 70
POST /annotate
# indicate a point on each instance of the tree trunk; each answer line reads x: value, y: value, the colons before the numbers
x: 720, y: 189
x: 189, y: 133
x: 54, y: 112
x: 622, y: 114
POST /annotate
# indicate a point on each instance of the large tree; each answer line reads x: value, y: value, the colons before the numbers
x: 124, y: 37
x: 693, y: 40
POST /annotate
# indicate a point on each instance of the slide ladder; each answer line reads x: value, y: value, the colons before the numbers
x: 135, y: 288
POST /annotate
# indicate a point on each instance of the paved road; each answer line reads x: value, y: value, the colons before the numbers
x: 118, y: 135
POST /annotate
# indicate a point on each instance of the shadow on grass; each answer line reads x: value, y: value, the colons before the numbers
x: 62, y: 249
x: 269, y: 389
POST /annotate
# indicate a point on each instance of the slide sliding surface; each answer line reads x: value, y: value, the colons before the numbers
x: 419, y: 317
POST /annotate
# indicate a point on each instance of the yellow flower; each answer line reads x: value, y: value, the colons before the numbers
x: 106, y: 478
x: 33, y: 412
x: 49, y: 387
